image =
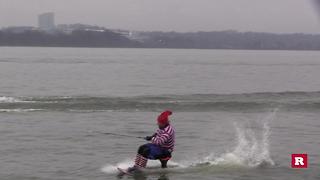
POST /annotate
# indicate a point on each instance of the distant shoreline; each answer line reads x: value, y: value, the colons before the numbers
x: 155, y: 48
x: 216, y: 40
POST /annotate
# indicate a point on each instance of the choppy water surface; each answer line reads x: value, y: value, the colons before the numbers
x: 238, y: 114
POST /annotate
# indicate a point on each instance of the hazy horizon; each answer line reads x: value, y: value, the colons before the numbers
x: 276, y: 16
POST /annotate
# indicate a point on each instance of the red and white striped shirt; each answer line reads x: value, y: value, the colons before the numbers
x: 165, y: 138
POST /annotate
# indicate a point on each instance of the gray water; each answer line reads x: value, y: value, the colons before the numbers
x: 237, y: 114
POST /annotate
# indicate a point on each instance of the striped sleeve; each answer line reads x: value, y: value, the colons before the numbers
x: 160, y: 139
x: 163, y: 136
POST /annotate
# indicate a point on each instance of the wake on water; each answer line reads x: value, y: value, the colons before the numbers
x: 251, y: 151
x: 250, y: 102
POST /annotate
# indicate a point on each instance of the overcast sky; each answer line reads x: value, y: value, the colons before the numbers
x: 280, y: 16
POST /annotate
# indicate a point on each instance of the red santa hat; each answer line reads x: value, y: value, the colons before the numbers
x: 163, y: 118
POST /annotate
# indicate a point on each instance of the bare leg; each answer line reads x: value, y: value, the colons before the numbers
x: 164, y: 163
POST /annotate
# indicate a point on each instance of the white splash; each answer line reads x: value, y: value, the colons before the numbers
x: 19, y: 110
x: 110, y: 169
x: 4, y: 99
x: 249, y: 151
x: 252, y: 149
x: 7, y: 99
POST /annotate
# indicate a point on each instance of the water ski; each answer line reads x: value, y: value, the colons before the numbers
x: 124, y: 171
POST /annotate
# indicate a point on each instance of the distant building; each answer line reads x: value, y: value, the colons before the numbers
x: 46, y: 22
x: 69, y: 28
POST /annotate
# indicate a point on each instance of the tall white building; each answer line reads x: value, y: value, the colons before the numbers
x: 46, y: 21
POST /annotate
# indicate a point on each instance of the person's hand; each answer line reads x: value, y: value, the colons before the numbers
x: 148, y: 138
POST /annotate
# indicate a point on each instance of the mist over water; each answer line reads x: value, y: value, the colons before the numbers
x: 237, y: 114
